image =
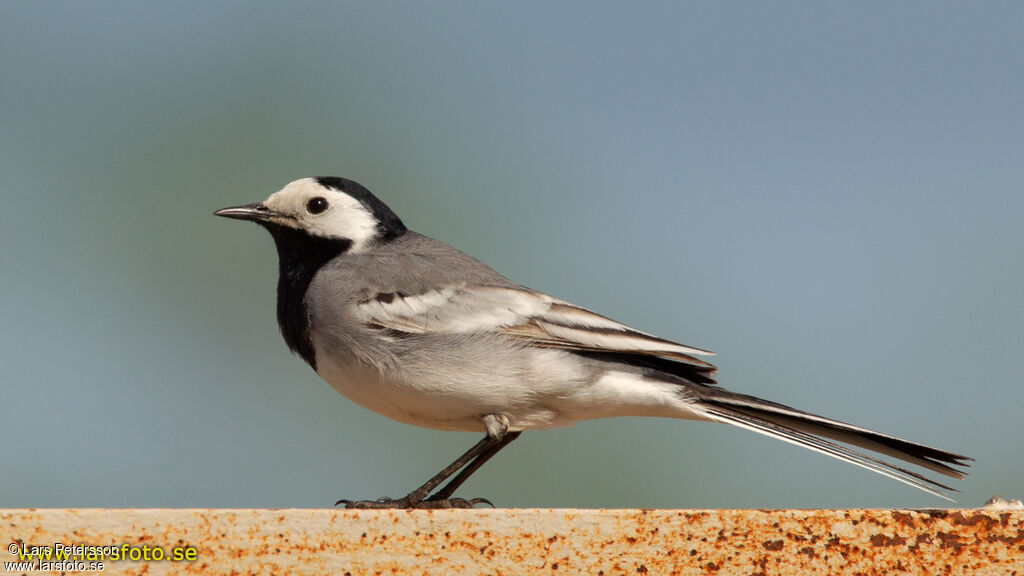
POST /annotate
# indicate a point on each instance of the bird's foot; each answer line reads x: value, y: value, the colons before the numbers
x: 406, y: 503
x: 457, y: 502
x: 378, y: 504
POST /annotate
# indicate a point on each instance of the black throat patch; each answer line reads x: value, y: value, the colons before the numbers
x: 300, y: 256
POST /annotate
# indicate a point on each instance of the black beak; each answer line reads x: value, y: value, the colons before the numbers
x: 257, y: 212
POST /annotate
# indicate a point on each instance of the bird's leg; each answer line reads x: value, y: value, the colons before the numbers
x: 496, y: 424
x: 449, y: 488
x: 497, y: 428
x: 415, y: 499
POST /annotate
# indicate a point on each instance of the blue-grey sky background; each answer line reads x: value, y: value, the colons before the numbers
x: 829, y: 195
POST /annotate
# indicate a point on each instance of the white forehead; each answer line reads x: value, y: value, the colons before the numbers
x: 345, y: 216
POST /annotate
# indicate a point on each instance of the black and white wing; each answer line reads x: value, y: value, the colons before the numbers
x: 536, y: 317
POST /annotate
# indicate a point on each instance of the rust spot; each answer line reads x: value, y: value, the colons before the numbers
x: 641, y: 569
x: 903, y: 518
x: 774, y: 545
x: 1018, y: 539
x: 948, y: 540
x: 985, y: 520
x: 883, y: 540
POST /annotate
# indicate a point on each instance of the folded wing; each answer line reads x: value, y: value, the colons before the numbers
x: 534, y: 316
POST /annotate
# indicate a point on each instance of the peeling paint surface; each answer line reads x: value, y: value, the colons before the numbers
x: 526, y: 542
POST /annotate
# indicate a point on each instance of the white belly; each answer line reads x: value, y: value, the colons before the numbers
x: 394, y: 400
x: 454, y: 396
x: 452, y: 387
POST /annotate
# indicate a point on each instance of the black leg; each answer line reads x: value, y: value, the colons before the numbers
x: 418, y: 497
x: 450, y: 488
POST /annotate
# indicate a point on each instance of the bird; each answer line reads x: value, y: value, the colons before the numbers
x: 420, y: 332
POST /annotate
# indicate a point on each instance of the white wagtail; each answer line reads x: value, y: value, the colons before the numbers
x: 413, y: 329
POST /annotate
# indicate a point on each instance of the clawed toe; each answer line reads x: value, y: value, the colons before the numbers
x: 458, y: 502
x: 378, y: 504
x: 405, y: 503
x: 462, y: 503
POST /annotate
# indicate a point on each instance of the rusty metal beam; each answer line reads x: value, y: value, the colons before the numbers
x: 526, y: 542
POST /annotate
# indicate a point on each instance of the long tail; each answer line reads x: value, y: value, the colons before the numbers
x: 818, y: 433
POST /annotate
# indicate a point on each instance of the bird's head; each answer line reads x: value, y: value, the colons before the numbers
x: 324, y: 207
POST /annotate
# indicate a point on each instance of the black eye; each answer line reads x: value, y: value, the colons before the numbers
x: 316, y: 205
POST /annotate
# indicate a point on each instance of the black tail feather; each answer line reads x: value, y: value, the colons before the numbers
x: 809, y: 430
